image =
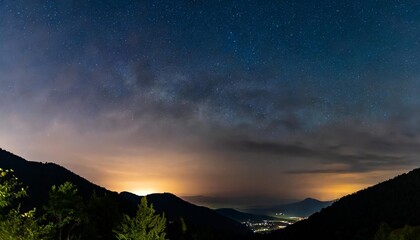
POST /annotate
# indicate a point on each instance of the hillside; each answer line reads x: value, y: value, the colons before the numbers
x: 199, y: 222
x: 39, y: 177
x: 395, y: 202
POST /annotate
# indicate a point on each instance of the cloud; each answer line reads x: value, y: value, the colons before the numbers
x: 270, y: 148
x: 156, y: 86
x: 332, y: 149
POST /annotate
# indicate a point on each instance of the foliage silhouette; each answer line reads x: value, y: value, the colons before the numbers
x: 14, y: 223
x: 65, y: 209
x: 146, y: 225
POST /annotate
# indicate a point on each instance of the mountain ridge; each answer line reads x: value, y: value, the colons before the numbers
x: 175, y: 207
x: 39, y: 177
x: 242, y: 216
x: 395, y: 202
x: 303, y: 208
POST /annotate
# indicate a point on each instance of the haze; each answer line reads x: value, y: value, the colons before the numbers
x: 261, y: 101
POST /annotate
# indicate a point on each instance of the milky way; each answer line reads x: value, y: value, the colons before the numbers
x: 253, y: 100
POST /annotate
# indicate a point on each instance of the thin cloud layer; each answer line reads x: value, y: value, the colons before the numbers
x: 229, y: 99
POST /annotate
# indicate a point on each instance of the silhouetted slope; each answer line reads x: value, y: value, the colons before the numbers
x: 201, y: 223
x: 303, y: 208
x: 241, y: 216
x: 358, y: 216
x: 199, y: 219
x: 39, y: 177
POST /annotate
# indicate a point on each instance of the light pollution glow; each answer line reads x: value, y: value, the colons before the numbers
x: 160, y: 171
x: 259, y: 101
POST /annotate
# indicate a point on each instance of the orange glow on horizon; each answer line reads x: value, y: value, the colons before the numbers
x: 334, y: 186
x: 145, y: 187
x: 336, y: 191
x: 144, y: 171
x: 144, y: 192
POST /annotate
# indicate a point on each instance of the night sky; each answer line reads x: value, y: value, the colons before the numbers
x: 254, y: 102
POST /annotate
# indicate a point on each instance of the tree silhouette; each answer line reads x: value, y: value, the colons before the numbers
x: 65, y: 209
x: 146, y: 225
x: 15, y: 224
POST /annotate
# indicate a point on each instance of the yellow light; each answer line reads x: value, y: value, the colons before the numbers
x: 144, y: 192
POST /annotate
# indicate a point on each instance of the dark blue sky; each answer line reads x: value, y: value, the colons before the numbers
x: 248, y: 99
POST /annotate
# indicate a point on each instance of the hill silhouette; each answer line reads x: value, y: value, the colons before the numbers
x: 302, y: 208
x: 395, y: 202
x: 242, y: 216
x: 198, y: 218
x: 39, y: 177
x: 185, y: 220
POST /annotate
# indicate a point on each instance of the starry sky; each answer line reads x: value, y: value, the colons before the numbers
x: 243, y: 102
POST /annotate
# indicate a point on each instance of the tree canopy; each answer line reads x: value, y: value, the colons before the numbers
x: 14, y: 223
x: 68, y: 216
x: 146, y: 225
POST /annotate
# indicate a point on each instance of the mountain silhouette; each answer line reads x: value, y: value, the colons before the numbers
x: 39, y: 177
x: 302, y: 208
x: 395, y: 202
x: 201, y: 219
x: 242, y: 216
x: 185, y: 220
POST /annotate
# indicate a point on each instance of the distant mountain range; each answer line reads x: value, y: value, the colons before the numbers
x: 185, y: 220
x: 241, y: 216
x: 303, y: 208
x: 237, y: 202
